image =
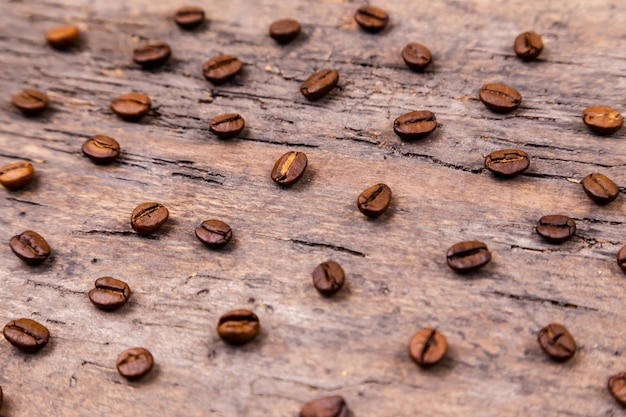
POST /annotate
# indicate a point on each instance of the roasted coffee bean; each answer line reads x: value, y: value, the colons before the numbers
x: 374, y: 200
x: 189, y: 17
x: 62, y: 36
x: 228, y: 125
x: 109, y: 294
x: 148, y: 217
x: 468, y: 256
x: 134, y: 363
x: 600, y: 188
x: 152, y: 54
x: 557, y: 342
x: 603, y: 119
x: 101, y: 149
x: 328, y: 278
x: 238, y: 327
x: 556, y: 228
x: 333, y: 406
x: 285, y: 30
x: 289, y: 168
x: 507, y: 162
x: 415, y: 124
x: 371, y: 18
x: 221, y: 68
x: 30, y: 101
x: 27, y: 335
x: 427, y: 347
x: 617, y: 387
x: 131, y: 106
x: 214, y: 233
x: 416, y: 56
x: 319, y: 84
x: 528, y: 45
x: 500, y: 98
x: 30, y: 247
x: 621, y: 258
x: 16, y: 175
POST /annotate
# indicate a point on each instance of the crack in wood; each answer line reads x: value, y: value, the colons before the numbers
x: 536, y: 299
x: 329, y: 246
x: 115, y: 233
x: 32, y: 203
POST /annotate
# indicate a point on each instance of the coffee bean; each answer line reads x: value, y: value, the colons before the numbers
x: 468, y: 256
x: 16, y: 175
x: 131, y: 106
x: 371, y: 18
x: 1, y: 397
x: 228, y: 125
x: 109, y: 294
x: 27, y: 335
x: 62, y: 36
x: 600, y: 188
x: 500, y: 97
x: 528, y: 45
x: 374, y: 200
x: 289, y: 168
x: 415, y: 124
x: 617, y: 387
x: 238, y: 327
x: 152, y: 54
x: 621, y: 258
x: 30, y: 101
x: 214, y: 233
x: 319, y: 84
x: 603, y: 119
x: 101, y: 149
x: 328, y: 278
x: 333, y: 406
x: 148, y: 217
x: 557, y: 342
x: 189, y: 17
x: 416, y: 56
x: 556, y: 228
x: 507, y: 162
x: 221, y: 68
x: 427, y: 347
x: 285, y: 30
x: 30, y: 247
x: 134, y: 363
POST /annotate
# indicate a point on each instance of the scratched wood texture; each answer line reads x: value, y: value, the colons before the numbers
x: 354, y: 344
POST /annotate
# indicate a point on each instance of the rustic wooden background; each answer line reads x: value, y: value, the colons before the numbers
x: 354, y: 344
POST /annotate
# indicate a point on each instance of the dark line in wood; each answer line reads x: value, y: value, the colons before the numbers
x: 535, y: 299
x: 196, y: 178
x: 275, y: 142
x: 115, y: 233
x: 32, y: 203
x: 328, y: 246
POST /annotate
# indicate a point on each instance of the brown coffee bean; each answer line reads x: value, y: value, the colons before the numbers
x: 134, y: 363
x: 27, y: 335
x: 328, y: 278
x: 468, y: 256
x: 507, y: 162
x: 374, y: 200
x: 131, y: 106
x: 427, y: 347
x: 416, y: 56
x: 109, y: 294
x: 238, y: 327
x: 152, y: 54
x: 415, y: 124
x: 603, y: 119
x: 227, y: 126
x: 30, y: 101
x: 148, y: 217
x: 189, y: 17
x: 371, y: 18
x: 557, y: 342
x: 214, y: 233
x: 221, y: 68
x: 30, y: 247
x: 617, y: 387
x: 63, y: 36
x: 101, y: 149
x: 556, y: 228
x: 528, y: 45
x: 16, y: 175
x: 285, y: 30
x: 621, y: 258
x: 600, y: 188
x: 289, y: 168
x: 500, y: 98
x: 319, y: 84
x: 333, y: 406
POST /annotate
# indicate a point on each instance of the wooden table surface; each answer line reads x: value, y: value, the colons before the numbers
x: 353, y: 344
